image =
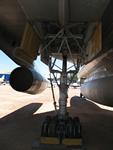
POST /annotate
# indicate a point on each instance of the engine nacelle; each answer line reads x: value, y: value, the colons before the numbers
x: 98, y: 85
x: 27, y: 80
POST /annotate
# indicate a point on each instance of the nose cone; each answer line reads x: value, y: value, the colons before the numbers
x: 21, y: 79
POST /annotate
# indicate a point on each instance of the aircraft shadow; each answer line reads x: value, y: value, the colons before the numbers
x: 97, y: 124
x: 19, y: 129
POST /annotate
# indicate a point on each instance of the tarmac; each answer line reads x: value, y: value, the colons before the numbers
x: 21, y: 116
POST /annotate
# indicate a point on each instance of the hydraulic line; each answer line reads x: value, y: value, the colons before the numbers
x: 52, y: 90
x: 54, y: 101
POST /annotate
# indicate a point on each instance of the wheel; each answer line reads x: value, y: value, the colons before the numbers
x: 60, y: 129
x: 45, y: 125
x: 52, y: 128
x: 76, y: 127
x: 69, y: 128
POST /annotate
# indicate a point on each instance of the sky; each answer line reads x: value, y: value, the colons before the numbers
x: 7, y: 65
x: 41, y: 67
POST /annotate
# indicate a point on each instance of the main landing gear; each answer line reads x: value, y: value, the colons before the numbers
x: 62, y: 130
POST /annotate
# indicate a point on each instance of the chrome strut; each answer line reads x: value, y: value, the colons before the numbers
x: 63, y: 90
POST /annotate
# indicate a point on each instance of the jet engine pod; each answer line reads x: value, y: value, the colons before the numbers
x: 27, y: 80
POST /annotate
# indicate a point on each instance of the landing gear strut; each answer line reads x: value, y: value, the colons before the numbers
x: 62, y: 129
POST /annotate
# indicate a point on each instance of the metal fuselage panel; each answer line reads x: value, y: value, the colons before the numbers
x: 98, y: 83
x: 45, y: 17
x: 42, y: 10
x: 12, y: 23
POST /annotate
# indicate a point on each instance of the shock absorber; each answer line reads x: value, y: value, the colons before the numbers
x: 63, y: 90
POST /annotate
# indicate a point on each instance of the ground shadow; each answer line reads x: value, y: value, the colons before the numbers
x: 19, y: 129
x: 97, y: 124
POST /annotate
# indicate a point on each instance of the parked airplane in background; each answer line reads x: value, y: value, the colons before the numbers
x: 4, y: 77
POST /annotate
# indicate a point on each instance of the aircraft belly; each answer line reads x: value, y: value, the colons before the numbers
x: 50, y: 10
